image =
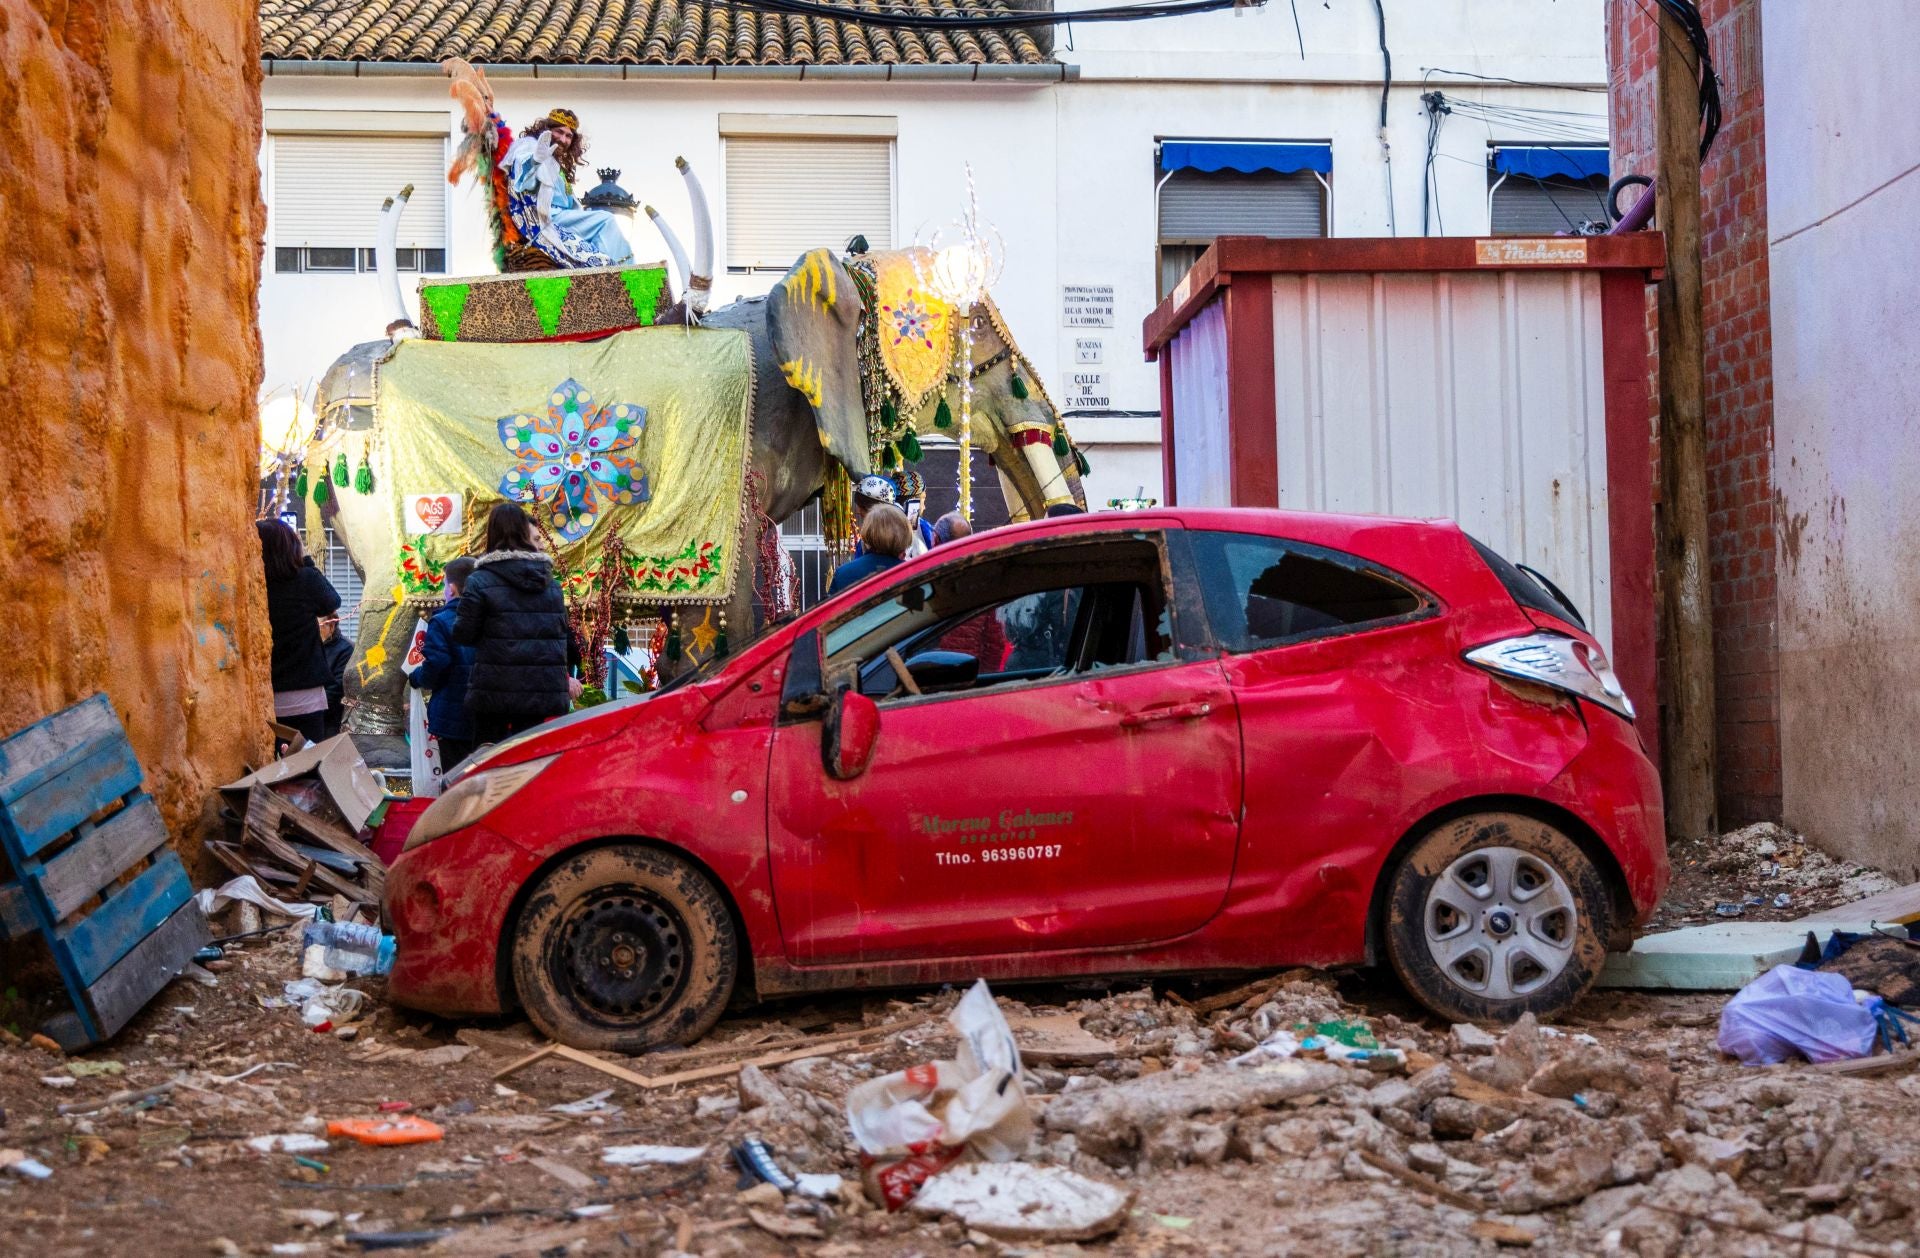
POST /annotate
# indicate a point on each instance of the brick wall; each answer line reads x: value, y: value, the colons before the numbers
x: 1739, y: 379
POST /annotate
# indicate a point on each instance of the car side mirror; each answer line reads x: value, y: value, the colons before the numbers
x: 852, y: 730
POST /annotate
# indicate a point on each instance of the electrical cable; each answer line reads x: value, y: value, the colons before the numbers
x: 1386, y: 83
x: 1500, y: 78
x: 1006, y: 19
x: 1687, y: 14
x: 1436, y: 105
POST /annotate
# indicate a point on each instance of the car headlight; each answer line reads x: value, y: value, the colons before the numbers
x: 471, y: 798
x: 1562, y: 663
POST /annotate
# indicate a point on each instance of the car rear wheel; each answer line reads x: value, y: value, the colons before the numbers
x: 1494, y: 915
x: 624, y: 948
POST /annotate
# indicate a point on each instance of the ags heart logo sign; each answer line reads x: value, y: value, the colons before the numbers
x: 435, y: 513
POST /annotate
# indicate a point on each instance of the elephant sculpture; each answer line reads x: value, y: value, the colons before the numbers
x: 808, y: 410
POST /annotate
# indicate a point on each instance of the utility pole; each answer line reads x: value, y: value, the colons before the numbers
x: 1686, y: 592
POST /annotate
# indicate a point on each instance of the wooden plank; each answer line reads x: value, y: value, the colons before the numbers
x: 1896, y: 907
x: 59, y: 804
x: 1422, y: 1183
x: 16, y: 919
x: 154, y: 962
x: 265, y: 809
x: 50, y: 747
x: 77, y: 874
x: 129, y: 915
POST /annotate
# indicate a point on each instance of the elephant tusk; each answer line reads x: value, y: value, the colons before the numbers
x: 1054, y: 490
x: 700, y: 282
x: 387, y: 265
x: 674, y: 249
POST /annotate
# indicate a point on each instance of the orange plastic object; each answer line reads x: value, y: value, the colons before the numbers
x: 400, y: 1129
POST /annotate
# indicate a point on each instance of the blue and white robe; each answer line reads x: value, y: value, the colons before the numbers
x: 549, y: 218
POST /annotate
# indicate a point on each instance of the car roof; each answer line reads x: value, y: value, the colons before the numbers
x: 1400, y: 542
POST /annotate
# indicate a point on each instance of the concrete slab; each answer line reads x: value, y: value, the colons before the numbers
x: 1896, y: 907
x: 1722, y: 956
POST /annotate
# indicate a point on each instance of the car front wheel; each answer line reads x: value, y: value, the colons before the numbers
x: 1494, y: 915
x: 625, y: 949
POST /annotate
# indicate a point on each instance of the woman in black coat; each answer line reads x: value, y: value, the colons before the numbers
x: 513, y: 615
x: 297, y: 597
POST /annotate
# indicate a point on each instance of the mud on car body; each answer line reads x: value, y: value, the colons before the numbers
x: 1154, y: 742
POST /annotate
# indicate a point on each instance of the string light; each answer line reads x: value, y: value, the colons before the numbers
x: 960, y: 262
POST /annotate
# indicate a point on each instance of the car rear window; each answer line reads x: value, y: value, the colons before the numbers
x: 1527, y: 591
x: 1266, y: 591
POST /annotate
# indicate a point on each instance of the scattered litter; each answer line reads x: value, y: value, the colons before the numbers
x: 89, y: 1069
x: 1783, y: 900
x: 402, y: 1129
x: 59, y: 1081
x: 591, y: 1212
x: 287, y: 1142
x: 819, y: 1187
x: 1058, y: 1040
x: 756, y: 1161
x: 576, y: 1180
x: 913, y: 1123
x: 395, y: 1240
x: 595, y: 1104
x: 312, y: 1165
x: 18, y: 1163
x: 652, y: 1154
x: 1021, y: 1201
x: 1727, y: 908
x: 1276, y: 1047
x: 1788, y: 1013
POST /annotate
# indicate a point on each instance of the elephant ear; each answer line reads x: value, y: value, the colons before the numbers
x: 812, y: 317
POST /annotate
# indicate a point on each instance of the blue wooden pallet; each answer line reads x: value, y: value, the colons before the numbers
x: 91, y: 872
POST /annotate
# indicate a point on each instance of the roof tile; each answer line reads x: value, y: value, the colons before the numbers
x: 628, y: 32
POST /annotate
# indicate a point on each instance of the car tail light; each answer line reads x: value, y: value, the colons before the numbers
x: 1559, y: 662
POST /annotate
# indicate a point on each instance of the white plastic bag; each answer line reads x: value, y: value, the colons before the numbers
x: 1788, y: 1013
x: 914, y: 1123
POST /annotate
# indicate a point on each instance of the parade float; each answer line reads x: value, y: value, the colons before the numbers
x: 656, y: 443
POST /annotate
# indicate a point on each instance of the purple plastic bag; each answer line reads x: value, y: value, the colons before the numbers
x: 1789, y: 1013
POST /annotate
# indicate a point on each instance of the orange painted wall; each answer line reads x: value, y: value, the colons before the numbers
x: 129, y: 364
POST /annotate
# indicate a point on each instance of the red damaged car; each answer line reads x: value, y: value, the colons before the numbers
x: 1116, y: 744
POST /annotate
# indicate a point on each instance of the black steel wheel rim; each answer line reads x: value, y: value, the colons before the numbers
x: 622, y: 956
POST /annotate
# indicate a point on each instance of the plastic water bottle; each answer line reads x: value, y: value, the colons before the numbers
x: 353, y: 948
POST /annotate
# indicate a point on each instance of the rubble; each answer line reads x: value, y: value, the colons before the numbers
x: 1156, y: 1129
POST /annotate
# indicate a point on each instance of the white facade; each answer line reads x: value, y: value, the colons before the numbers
x: 1843, y: 190
x: 1066, y: 169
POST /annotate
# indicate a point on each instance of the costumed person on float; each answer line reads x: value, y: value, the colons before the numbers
x: 540, y: 168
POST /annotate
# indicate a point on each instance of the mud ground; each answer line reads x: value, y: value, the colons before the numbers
x: 1618, y: 1130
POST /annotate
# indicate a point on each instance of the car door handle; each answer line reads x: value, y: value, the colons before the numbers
x: 1176, y: 712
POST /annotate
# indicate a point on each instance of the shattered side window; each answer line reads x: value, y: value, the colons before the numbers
x: 1263, y: 592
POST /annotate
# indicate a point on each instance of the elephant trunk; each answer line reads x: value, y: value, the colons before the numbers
x: 674, y: 250
x: 387, y: 264
x: 700, y: 282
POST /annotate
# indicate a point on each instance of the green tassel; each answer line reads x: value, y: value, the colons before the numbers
x: 910, y: 446
x: 889, y: 415
x: 363, y: 479
x: 340, y: 473
x: 1080, y: 461
x: 300, y: 484
x: 1019, y: 387
x: 621, y: 643
x: 720, y: 643
x: 320, y: 491
x: 1060, y: 447
x: 672, y: 649
x: 943, y: 414
x: 888, y: 459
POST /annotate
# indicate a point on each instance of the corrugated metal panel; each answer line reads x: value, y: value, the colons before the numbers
x: 328, y: 189
x: 1198, y: 205
x: 1532, y: 207
x: 786, y: 195
x: 1200, y: 468
x: 1475, y: 397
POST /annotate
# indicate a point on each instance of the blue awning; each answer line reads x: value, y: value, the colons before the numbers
x: 1538, y: 161
x: 1247, y: 156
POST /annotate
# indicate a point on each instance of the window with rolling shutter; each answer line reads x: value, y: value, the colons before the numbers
x: 787, y: 194
x: 328, y: 189
x: 1196, y: 206
x: 1524, y: 206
